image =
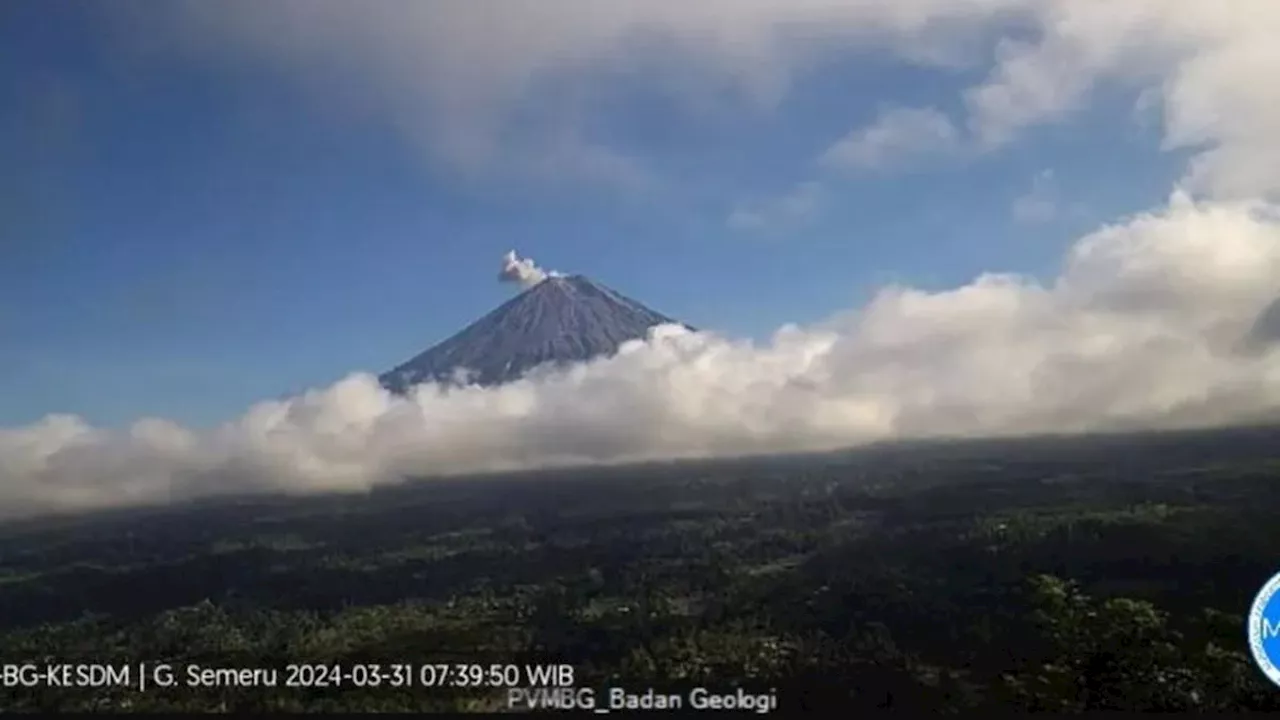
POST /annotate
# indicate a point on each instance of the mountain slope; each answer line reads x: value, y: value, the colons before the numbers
x: 560, y: 320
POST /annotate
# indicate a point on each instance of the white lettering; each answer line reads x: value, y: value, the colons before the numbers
x: 761, y: 703
x: 230, y: 677
x: 620, y: 699
x: 65, y: 675
x: 551, y: 698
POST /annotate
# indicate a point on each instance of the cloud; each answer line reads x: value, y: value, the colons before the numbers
x: 1040, y: 203
x: 1206, y: 66
x: 798, y: 206
x: 898, y: 136
x: 452, y: 75
x: 1141, y: 328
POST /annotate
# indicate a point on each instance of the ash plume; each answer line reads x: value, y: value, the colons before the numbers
x: 522, y: 270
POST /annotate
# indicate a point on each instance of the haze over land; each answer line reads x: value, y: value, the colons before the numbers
x: 1168, y: 317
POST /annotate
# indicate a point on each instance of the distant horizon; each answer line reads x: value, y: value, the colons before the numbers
x: 581, y: 473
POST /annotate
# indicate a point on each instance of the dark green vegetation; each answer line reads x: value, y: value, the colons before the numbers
x: 1047, y: 574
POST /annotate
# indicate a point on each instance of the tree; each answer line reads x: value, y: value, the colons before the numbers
x: 1122, y: 654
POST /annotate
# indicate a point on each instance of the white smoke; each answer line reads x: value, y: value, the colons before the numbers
x: 522, y: 270
x: 1145, y: 326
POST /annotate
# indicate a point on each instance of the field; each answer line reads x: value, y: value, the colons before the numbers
x: 1047, y: 574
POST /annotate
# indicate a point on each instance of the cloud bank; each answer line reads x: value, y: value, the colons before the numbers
x: 1164, y: 320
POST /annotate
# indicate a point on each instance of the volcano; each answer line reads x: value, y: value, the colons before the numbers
x: 560, y: 320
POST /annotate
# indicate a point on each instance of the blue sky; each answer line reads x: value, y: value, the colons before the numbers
x: 182, y: 238
x: 209, y: 205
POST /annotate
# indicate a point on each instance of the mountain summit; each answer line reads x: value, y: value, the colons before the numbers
x: 562, y: 319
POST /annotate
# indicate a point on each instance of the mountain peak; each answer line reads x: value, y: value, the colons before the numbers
x: 563, y: 282
x: 561, y: 319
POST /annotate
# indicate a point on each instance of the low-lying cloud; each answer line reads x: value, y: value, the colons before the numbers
x: 1163, y: 320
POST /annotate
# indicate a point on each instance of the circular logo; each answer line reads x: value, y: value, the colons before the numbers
x: 1264, y: 629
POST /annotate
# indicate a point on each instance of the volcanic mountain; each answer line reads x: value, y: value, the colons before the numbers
x: 562, y: 319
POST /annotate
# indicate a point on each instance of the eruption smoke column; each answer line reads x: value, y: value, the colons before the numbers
x: 522, y: 270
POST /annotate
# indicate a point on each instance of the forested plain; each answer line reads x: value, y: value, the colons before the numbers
x: 1049, y: 574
